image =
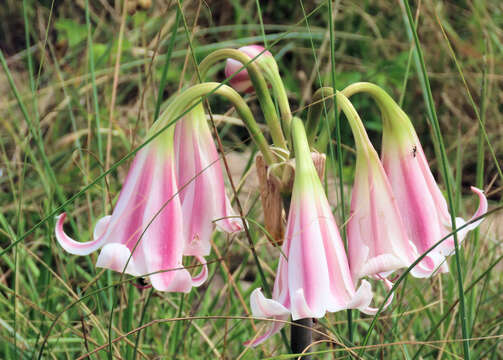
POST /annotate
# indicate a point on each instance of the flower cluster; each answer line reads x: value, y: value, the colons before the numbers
x: 398, y: 213
x: 174, y: 196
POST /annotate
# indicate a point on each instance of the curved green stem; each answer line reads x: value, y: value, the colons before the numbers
x: 303, y: 160
x: 315, y: 111
x: 278, y: 88
x: 360, y: 135
x: 197, y: 91
x: 259, y: 84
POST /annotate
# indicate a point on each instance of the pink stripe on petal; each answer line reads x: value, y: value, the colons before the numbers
x: 163, y: 241
x: 201, y: 181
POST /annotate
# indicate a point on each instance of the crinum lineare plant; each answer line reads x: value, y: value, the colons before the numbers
x: 174, y: 196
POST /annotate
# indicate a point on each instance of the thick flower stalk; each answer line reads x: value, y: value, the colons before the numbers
x: 268, y: 66
x: 420, y: 200
x: 377, y: 239
x: 201, y: 183
x: 145, y: 233
x: 313, y: 275
x: 256, y: 74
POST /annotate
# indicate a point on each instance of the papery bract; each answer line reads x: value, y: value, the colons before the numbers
x: 241, y: 81
x: 313, y: 275
x: 144, y: 234
x: 201, y: 184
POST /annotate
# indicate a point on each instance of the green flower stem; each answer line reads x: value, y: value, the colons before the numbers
x: 195, y: 92
x: 357, y: 128
x: 303, y: 160
x: 259, y: 84
x: 385, y: 102
x: 281, y: 96
x: 315, y: 111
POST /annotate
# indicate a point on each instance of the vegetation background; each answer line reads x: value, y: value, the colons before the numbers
x: 82, y: 81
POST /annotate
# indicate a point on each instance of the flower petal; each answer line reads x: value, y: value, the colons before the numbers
x: 364, y: 295
x: 200, y: 278
x: 163, y: 241
x: 80, y: 248
x: 101, y: 226
x: 300, y: 308
x: 172, y: 280
x: 447, y: 246
x: 263, y: 307
x: 201, y: 183
x: 377, y: 238
x: 362, y: 298
x: 229, y: 223
x: 241, y: 81
x: 115, y: 256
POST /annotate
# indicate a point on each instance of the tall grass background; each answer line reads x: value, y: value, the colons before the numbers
x: 81, y: 83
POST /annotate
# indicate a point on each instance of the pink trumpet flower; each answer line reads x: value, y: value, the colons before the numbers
x: 144, y: 235
x: 201, y: 183
x: 377, y: 239
x: 241, y: 81
x: 313, y: 275
x: 419, y: 198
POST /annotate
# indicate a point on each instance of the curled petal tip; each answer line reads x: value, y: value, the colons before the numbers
x: 482, y: 202
x: 362, y: 298
x: 72, y: 246
x: 276, y: 327
x: 481, y: 210
x: 230, y: 225
x: 263, y: 307
x: 366, y: 296
x: 200, y: 278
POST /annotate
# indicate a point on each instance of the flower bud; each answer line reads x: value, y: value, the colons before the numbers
x: 241, y: 81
